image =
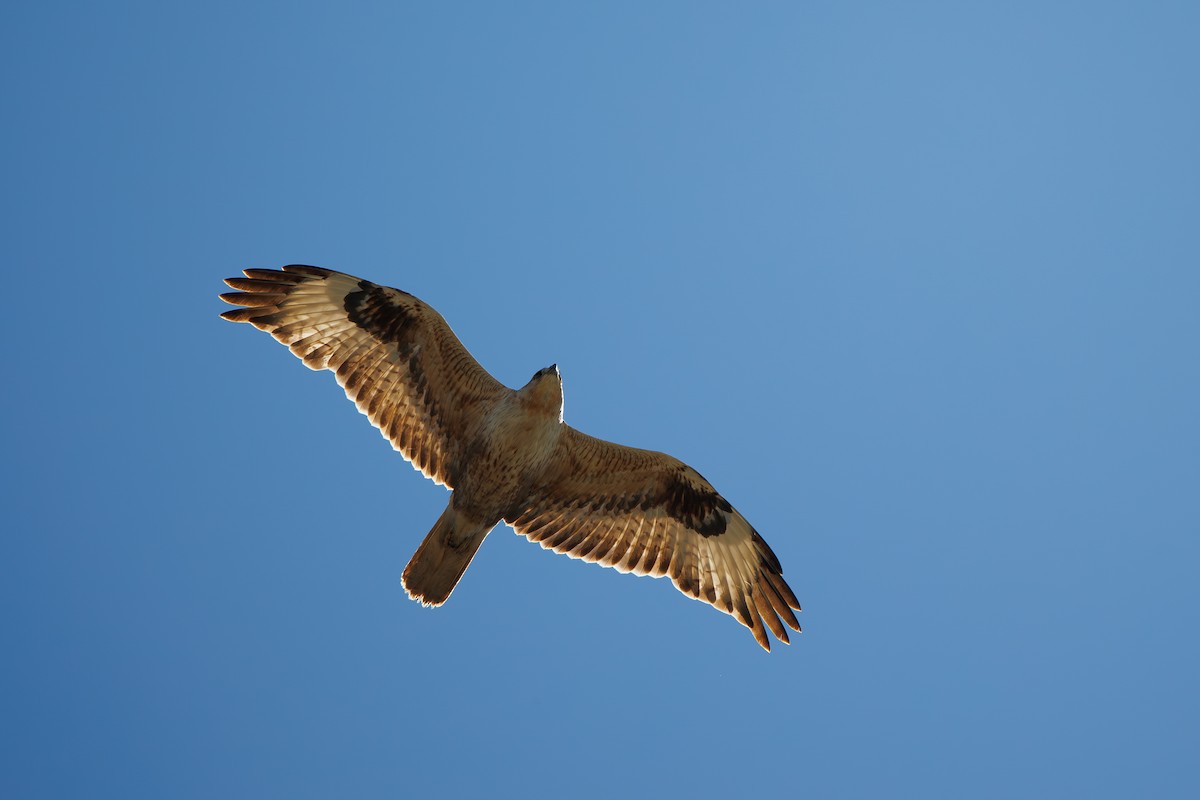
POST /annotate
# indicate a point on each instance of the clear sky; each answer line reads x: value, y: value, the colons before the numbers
x: 915, y: 285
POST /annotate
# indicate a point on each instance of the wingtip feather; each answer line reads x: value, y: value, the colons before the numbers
x: 256, y: 299
x: 305, y: 269
x: 245, y: 314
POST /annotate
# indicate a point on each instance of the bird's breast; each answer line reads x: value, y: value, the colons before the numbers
x: 506, y: 458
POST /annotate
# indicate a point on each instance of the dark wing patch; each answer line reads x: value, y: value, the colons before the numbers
x: 395, y: 356
x: 648, y: 513
x: 371, y: 308
x: 699, y: 508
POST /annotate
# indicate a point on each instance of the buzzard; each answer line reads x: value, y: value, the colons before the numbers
x: 507, y: 455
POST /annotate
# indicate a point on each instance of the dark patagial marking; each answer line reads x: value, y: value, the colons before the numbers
x: 371, y: 309
x: 374, y: 310
x: 699, y: 509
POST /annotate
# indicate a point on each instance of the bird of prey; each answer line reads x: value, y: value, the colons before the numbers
x: 507, y: 455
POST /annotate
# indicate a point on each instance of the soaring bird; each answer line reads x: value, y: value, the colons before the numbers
x: 507, y: 454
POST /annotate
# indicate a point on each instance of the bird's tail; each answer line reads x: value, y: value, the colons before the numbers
x: 443, y: 557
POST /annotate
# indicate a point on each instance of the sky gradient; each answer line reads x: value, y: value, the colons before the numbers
x: 915, y: 286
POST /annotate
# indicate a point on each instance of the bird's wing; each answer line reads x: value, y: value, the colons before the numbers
x: 648, y: 513
x: 394, y: 355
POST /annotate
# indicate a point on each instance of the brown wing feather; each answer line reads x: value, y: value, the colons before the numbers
x: 648, y: 513
x: 394, y: 355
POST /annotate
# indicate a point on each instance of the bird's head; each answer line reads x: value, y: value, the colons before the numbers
x: 544, y: 391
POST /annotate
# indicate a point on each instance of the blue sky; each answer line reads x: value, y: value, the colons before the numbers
x: 914, y: 285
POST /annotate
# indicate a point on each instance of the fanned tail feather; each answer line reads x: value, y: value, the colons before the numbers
x: 443, y: 557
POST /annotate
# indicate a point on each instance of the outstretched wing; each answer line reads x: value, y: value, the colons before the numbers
x: 394, y: 355
x: 648, y: 513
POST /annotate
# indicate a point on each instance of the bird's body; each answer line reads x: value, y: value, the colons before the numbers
x: 512, y: 448
x: 508, y: 455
